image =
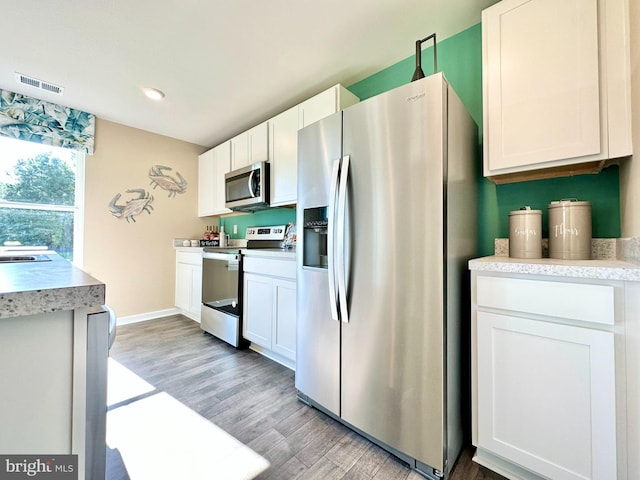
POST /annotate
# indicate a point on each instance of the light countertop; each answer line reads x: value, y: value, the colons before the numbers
x: 597, y: 269
x: 30, y: 288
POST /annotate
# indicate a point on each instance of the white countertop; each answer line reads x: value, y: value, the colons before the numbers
x: 30, y: 288
x: 598, y: 269
x: 189, y: 249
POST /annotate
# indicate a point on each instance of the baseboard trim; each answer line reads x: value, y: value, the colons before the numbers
x: 143, y: 317
x: 270, y: 354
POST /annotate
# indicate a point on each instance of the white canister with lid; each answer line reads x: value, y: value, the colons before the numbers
x: 525, y: 233
x: 570, y: 229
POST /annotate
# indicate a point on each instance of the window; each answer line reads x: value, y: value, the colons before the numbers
x: 41, y: 197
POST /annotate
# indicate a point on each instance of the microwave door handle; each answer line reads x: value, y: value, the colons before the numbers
x: 331, y: 233
x: 250, y: 184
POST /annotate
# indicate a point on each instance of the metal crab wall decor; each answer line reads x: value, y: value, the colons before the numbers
x: 167, y: 182
x: 133, y: 207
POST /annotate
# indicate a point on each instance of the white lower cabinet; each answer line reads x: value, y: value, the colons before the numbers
x: 544, y: 377
x: 269, y: 308
x: 189, y: 283
x: 258, y: 309
x: 283, y: 339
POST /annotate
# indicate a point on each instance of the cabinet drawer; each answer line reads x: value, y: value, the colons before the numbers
x: 270, y: 266
x: 190, y: 258
x: 575, y: 301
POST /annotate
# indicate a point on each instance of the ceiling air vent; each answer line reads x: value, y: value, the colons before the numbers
x: 39, y: 84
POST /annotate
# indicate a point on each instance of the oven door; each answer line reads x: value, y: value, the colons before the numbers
x: 221, y: 310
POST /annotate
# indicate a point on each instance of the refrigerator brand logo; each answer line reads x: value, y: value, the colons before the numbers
x: 415, y: 98
x: 19, y: 467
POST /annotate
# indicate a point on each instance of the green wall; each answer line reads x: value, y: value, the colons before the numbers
x: 272, y: 216
x: 460, y: 58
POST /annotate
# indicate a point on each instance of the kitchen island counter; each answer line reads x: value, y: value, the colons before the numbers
x: 597, y: 269
x: 28, y: 288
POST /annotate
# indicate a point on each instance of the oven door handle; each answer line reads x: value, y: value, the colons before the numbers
x: 226, y: 257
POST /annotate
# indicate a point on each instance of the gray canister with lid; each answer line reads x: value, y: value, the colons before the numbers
x: 570, y: 229
x: 525, y: 233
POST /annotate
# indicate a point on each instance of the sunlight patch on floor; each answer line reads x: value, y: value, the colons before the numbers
x: 160, y: 438
x: 124, y: 384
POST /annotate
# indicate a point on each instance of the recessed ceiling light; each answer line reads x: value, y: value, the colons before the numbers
x: 153, y: 93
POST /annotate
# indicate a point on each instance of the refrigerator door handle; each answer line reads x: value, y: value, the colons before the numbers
x: 331, y: 233
x: 342, y: 244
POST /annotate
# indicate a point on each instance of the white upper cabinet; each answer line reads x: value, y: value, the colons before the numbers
x: 206, y: 192
x: 556, y: 87
x: 284, y: 157
x: 212, y: 166
x: 275, y: 141
x: 283, y: 143
x: 250, y: 146
x: 317, y: 107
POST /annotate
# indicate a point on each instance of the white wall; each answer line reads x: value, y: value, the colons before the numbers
x: 630, y: 169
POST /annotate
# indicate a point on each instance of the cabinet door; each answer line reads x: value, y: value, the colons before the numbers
x: 222, y: 165
x: 239, y: 151
x: 195, y: 299
x: 541, y: 83
x: 258, y: 138
x: 206, y: 186
x: 317, y: 107
x: 283, y: 130
x: 284, y: 322
x: 183, y: 286
x: 546, y: 396
x: 257, y: 309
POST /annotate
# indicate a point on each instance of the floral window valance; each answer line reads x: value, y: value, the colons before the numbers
x: 34, y: 120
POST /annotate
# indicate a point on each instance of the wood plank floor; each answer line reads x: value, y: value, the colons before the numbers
x: 254, y: 400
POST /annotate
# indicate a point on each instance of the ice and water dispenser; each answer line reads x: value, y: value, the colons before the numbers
x: 315, y: 237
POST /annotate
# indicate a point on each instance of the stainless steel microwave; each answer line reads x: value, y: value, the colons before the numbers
x: 247, y: 189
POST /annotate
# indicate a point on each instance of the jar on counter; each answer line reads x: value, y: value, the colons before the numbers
x: 570, y: 229
x: 525, y: 233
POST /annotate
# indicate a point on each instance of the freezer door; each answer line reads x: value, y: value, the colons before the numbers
x: 392, y: 346
x: 318, y: 334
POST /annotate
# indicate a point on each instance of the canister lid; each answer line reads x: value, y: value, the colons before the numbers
x: 568, y: 202
x: 525, y: 211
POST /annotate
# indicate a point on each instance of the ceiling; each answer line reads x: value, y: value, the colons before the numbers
x: 225, y: 66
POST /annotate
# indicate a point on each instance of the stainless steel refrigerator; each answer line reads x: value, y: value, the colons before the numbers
x: 387, y: 204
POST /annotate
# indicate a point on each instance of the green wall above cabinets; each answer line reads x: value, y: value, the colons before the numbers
x: 460, y: 58
x: 272, y: 216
